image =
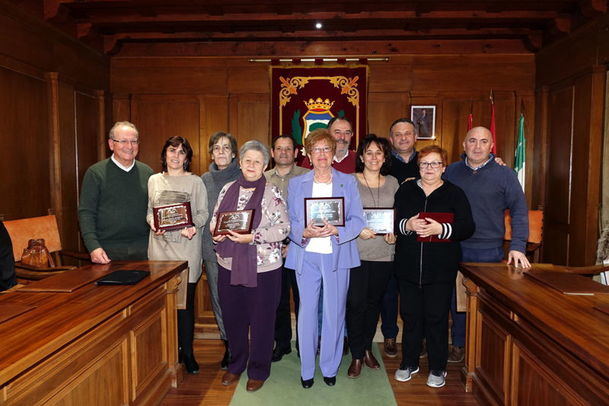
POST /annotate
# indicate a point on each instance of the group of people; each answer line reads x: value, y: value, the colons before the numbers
x: 341, y: 275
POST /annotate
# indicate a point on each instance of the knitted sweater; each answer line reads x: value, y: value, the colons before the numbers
x: 113, y: 205
x: 214, y: 181
x: 403, y: 170
x: 490, y: 190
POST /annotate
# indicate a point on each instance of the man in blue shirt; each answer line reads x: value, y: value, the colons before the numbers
x: 490, y: 188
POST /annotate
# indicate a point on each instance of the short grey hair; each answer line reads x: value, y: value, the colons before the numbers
x: 119, y: 124
x: 256, y: 146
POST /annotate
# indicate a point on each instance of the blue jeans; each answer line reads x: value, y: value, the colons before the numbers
x: 469, y: 255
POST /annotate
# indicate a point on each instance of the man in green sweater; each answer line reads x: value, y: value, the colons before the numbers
x: 114, y: 200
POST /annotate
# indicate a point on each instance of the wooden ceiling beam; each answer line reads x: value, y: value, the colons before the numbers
x: 137, y: 16
x: 330, y: 26
x: 132, y: 48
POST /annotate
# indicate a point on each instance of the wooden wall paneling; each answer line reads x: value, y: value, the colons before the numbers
x: 253, y: 78
x: 213, y: 118
x: 540, y: 147
x: 585, y: 181
x: 24, y: 162
x: 384, y: 108
x: 558, y: 191
x: 86, y: 139
x: 384, y: 77
x: 121, y: 107
x: 104, y: 105
x: 55, y: 175
x: 159, y: 117
x: 250, y: 117
x: 179, y: 76
x: 68, y: 167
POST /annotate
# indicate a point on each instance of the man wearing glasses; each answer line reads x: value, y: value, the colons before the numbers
x: 490, y: 188
x: 114, y: 200
x: 344, y: 158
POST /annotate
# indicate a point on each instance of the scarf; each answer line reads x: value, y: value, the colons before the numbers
x: 244, y: 256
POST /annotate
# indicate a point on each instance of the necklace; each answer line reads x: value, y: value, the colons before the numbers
x: 378, y: 190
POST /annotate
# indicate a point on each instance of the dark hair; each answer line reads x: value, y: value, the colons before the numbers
x: 335, y: 119
x: 280, y: 137
x: 383, y: 144
x: 176, y: 141
x: 220, y: 134
x: 423, y: 152
x: 402, y: 120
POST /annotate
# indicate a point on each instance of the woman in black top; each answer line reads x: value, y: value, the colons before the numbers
x: 427, y: 256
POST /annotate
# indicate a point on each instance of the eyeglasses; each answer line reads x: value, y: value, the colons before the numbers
x: 126, y: 142
x: 319, y: 150
x: 433, y: 165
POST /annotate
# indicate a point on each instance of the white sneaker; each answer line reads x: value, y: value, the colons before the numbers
x: 436, y: 379
x: 404, y: 375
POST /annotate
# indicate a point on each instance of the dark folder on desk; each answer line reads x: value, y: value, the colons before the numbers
x: 123, y: 277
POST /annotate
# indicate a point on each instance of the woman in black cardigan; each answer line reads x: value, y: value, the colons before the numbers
x: 427, y: 255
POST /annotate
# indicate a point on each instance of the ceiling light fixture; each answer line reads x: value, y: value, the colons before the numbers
x: 318, y: 26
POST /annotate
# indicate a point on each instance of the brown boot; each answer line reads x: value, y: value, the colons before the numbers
x: 355, y: 369
x: 370, y: 360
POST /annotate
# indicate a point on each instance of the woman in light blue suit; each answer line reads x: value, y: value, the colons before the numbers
x: 322, y: 256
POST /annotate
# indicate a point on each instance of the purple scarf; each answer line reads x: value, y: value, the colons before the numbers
x: 244, y: 256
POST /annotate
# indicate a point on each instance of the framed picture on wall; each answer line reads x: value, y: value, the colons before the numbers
x: 424, y: 119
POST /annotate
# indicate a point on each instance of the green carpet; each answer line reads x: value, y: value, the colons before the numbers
x: 283, y: 386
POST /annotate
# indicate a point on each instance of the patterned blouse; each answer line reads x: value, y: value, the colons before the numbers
x: 274, y: 226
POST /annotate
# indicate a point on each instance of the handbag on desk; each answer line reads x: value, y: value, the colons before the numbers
x: 37, y: 255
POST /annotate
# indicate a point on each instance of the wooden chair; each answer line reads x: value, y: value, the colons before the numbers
x: 535, y: 232
x: 22, y: 230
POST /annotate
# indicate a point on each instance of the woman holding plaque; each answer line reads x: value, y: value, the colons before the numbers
x: 223, y: 169
x: 432, y: 217
x: 322, y: 253
x: 368, y: 282
x: 177, y: 236
x: 249, y: 223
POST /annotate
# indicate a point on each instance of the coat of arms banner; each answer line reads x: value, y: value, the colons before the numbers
x: 304, y: 99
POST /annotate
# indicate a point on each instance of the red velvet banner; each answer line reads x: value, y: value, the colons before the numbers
x: 304, y: 99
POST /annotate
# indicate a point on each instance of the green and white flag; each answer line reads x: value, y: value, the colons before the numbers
x: 520, y: 157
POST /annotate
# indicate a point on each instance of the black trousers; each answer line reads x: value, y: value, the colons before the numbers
x: 367, y: 286
x: 186, y: 322
x: 425, y: 313
x: 283, y: 319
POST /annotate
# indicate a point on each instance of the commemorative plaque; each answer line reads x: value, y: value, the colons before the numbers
x: 172, y: 216
x: 330, y: 209
x: 239, y: 221
x: 380, y: 220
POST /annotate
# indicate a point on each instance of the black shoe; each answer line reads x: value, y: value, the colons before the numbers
x: 308, y: 383
x: 278, y: 353
x: 330, y: 381
x: 226, y: 358
x: 190, y: 364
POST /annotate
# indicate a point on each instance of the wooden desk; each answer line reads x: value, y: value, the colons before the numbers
x: 529, y: 344
x: 98, y: 345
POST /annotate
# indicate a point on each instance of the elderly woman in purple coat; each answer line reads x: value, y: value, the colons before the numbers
x: 322, y: 254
